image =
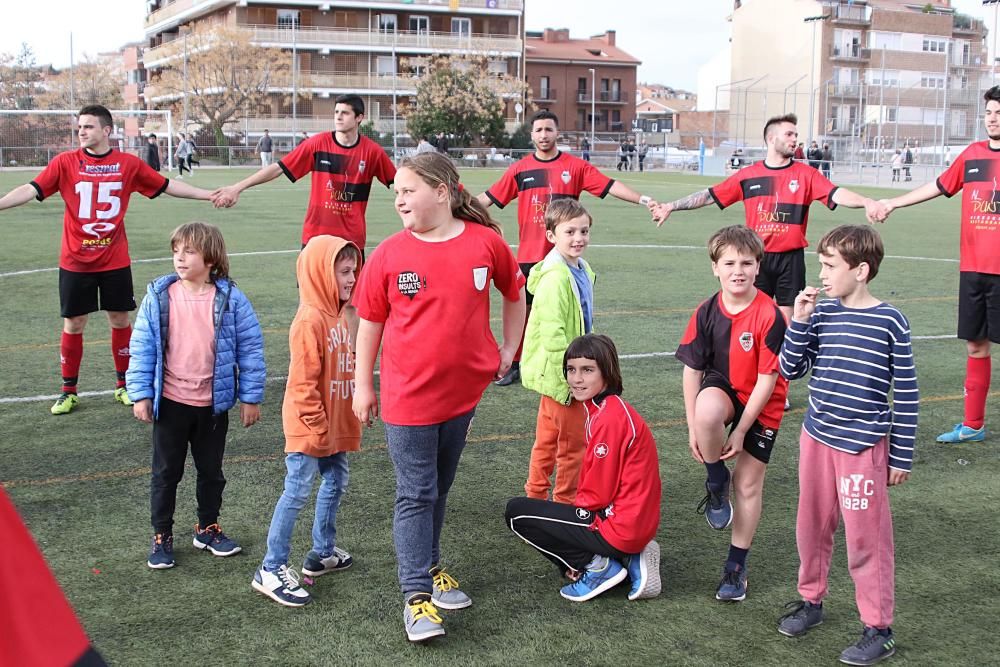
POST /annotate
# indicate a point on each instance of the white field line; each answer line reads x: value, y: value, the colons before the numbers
x: 11, y: 274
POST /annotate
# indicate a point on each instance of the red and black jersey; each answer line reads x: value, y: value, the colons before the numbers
x: 620, y: 475
x: 537, y: 182
x: 976, y: 172
x: 776, y: 201
x: 96, y: 191
x: 740, y: 347
x: 341, y: 182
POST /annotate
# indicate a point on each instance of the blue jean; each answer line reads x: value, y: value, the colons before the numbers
x: 425, y: 459
x: 302, y: 470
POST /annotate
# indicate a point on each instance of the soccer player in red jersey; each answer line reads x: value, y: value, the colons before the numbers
x: 730, y: 355
x: 776, y: 193
x: 343, y: 164
x: 975, y: 172
x: 95, y: 182
x: 535, y: 180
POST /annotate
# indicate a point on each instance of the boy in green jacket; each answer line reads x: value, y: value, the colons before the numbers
x: 563, y: 309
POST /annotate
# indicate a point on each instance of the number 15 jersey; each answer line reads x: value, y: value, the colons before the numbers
x: 96, y: 191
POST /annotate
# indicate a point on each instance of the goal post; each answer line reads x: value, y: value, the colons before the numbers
x: 31, y: 138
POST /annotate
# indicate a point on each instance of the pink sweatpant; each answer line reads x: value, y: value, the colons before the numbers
x: 834, y: 484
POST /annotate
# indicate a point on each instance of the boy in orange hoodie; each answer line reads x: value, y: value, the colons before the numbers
x: 316, y: 416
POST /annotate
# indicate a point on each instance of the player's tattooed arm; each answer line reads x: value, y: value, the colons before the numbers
x: 695, y: 200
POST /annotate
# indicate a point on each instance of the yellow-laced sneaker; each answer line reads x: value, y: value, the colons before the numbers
x: 65, y: 404
x: 122, y: 396
x: 421, y: 619
x: 447, y: 595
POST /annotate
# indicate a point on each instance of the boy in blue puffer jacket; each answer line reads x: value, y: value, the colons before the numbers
x: 196, y: 348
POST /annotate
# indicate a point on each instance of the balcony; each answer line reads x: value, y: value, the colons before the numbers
x: 349, y: 39
x: 852, y: 14
x: 852, y: 52
x: 603, y: 97
x: 845, y: 90
x: 361, y: 83
x: 545, y: 95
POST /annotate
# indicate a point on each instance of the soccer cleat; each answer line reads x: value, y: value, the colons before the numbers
x: 213, y: 539
x: 65, y: 404
x: 421, y: 619
x: 447, y: 594
x: 644, y: 572
x: 602, y: 575
x: 282, y: 586
x: 717, y: 507
x: 961, y: 433
x: 316, y: 565
x: 871, y: 648
x: 733, y: 587
x: 512, y: 376
x: 803, y: 615
x: 161, y: 552
x: 122, y: 396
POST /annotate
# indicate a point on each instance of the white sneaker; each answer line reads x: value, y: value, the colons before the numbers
x: 315, y: 566
x: 282, y: 586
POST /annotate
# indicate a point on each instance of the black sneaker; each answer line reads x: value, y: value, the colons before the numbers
x: 871, y: 648
x: 512, y: 376
x: 803, y: 615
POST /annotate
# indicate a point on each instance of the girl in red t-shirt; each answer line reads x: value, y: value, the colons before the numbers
x: 424, y: 296
x: 607, y: 535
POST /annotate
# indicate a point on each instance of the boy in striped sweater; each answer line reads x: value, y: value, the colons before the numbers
x: 854, y: 443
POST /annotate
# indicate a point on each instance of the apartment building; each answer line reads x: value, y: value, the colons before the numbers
x: 588, y: 83
x: 868, y: 73
x: 376, y: 48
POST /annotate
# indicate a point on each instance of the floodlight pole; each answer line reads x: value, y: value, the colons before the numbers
x: 593, y: 105
x: 994, y: 3
x: 812, y: 68
x: 295, y: 80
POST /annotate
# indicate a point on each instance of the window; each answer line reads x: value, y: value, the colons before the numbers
x: 846, y: 76
x: 581, y: 85
x: 890, y: 41
x: 935, y: 45
x: 616, y: 118
x: 933, y: 116
x: 931, y: 80
x: 420, y: 24
x: 890, y: 115
x: 876, y: 77
x: 959, y: 123
x: 385, y: 65
x: 461, y: 27
x: 543, y: 88
x: 288, y: 18
x: 387, y: 23
x: 616, y: 90
x: 498, y: 68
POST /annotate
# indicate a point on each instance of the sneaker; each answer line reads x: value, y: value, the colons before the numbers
x: 282, y: 586
x: 65, y: 404
x: 788, y: 405
x: 161, y: 552
x: 871, y: 648
x: 213, y: 539
x: 803, y: 615
x: 316, y: 565
x: 961, y: 433
x: 733, y: 587
x: 644, y: 572
x: 421, y: 619
x: 602, y: 574
x: 512, y: 376
x: 122, y: 396
x: 717, y: 507
x: 447, y: 595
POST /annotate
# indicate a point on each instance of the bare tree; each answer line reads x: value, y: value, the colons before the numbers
x: 93, y: 81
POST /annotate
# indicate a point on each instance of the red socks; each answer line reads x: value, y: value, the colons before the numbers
x: 70, y: 354
x: 977, y: 386
x: 119, y: 349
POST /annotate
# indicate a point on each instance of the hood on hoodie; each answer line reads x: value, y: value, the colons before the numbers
x: 315, y: 272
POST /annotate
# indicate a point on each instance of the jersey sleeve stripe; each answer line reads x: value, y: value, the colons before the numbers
x: 607, y: 188
x: 941, y: 187
x: 494, y: 199
x: 830, y: 204
x: 38, y: 191
x: 711, y: 192
x: 289, y: 174
x: 163, y: 188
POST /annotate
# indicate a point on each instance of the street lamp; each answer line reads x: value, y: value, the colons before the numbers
x: 995, y: 11
x: 812, y: 67
x: 593, y: 104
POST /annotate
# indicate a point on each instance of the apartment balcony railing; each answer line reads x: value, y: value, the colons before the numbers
x: 330, y: 39
x: 845, y: 90
x: 850, y: 52
x: 403, y: 84
x: 855, y: 14
x: 604, y: 96
x: 545, y: 95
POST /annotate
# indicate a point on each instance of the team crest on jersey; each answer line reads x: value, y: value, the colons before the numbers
x: 601, y: 450
x: 582, y: 513
x: 409, y: 283
x: 479, y: 275
x: 746, y: 341
x: 361, y: 167
x: 793, y: 185
x: 565, y: 176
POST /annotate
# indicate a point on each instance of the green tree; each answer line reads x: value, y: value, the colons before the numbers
x: 20, y: 79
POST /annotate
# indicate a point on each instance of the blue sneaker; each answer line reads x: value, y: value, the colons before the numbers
x: 644, y: 572
x: 874, y: 646
x: 733, y: 587
x: 213, y: 539
x: 963, y: 433
x: 316, y: 565
x: 602, y: 574
x: 717, y: 507
x: 161, y: 552
x: 282, y: 586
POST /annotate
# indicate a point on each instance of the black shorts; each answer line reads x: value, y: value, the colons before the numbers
x: 759, y: 440
x: 979, y: 306
x: 782, y: 275
x: 83, y: 293
x: 526, y: 269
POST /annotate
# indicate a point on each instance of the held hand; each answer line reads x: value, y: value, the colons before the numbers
x: 365, y: 405
x: 733, y: 446
x: 249, y: 414
x: 143, y: 410
x: 897, y: 477
x: 225, y: 197
x: 506, y: 360
x: 888, y: 205
x: 805, y: 304
x: 693, y: 446
x: 660, y: 212
x: 875, y: 211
